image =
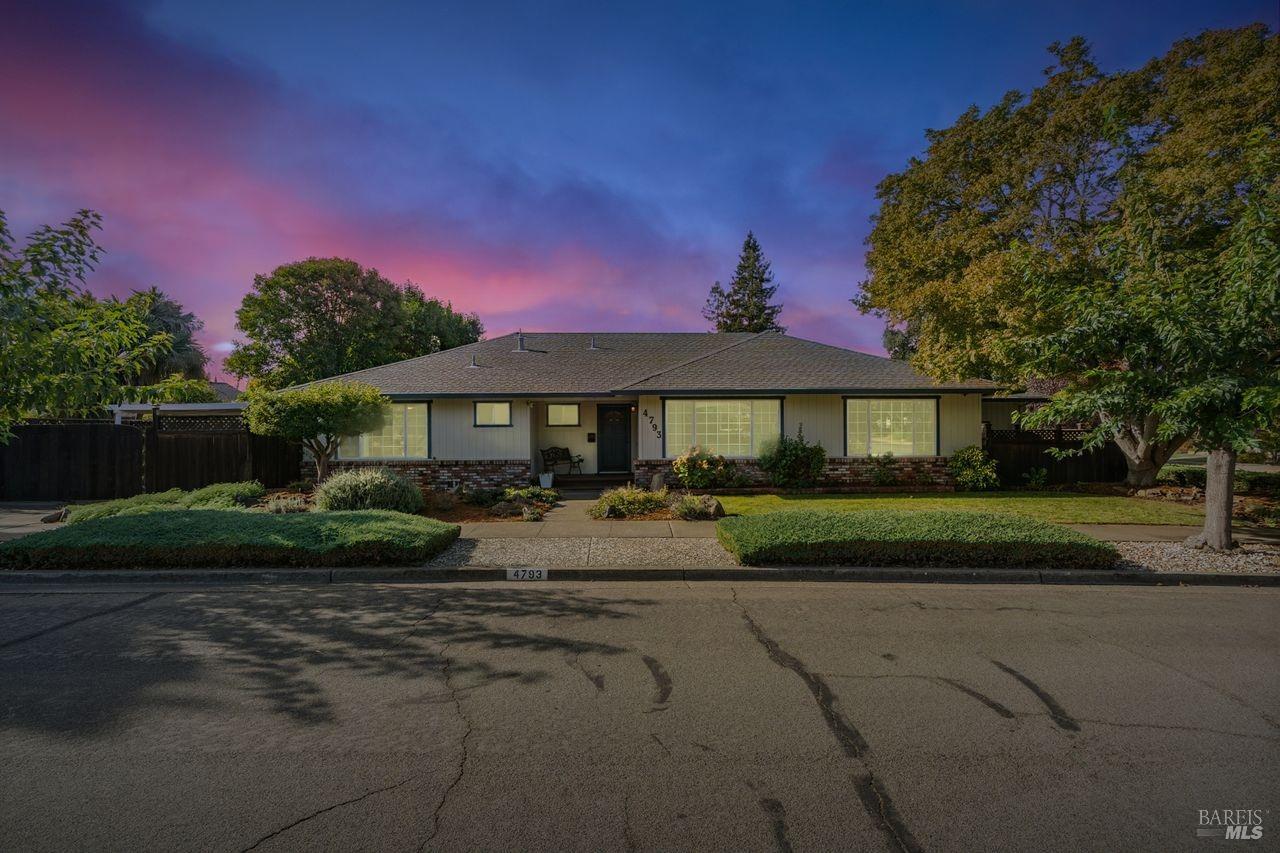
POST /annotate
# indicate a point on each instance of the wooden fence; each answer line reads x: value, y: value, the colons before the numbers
x: 92, y: 460
x: 1019, y: 452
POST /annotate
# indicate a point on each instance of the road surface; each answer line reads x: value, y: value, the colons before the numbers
x: 618, y: 716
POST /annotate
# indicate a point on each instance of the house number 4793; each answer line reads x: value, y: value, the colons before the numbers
x: 653, y: 422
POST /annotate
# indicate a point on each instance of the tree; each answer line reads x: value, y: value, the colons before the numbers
x: 325, y: 317
x: 745, y: 306
x: 163, y: 314
x: 64, y: 353
x: 317, y: 416
x: 900, y: 343
x: 174, y: 388
x: 1053, y: 171
x: 1185, y: 334
x: 430, y: 322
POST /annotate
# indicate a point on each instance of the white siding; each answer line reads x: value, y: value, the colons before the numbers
x: 959, y: 422
x: 454, y: 436
x: 650, y: 426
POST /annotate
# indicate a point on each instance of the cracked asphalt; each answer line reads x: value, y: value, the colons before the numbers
x: 619, y: 716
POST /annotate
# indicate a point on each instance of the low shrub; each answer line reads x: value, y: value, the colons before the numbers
x: 105, y: 509
x: 531, y: 513
x: 629, y: 500
x: 973, y: 470
x: 919, y: 538
x: 537, y: 494
x: 696, y: 508
x: 283, y: 506
x: 225, y: 495
x: 220, y: 537
x: 792, y: 463
x: 701, y: 469
x: 508, y: 509
x: 483, y: 498
x: 306, y: 485
x: 368, y: 488
x: 1036, y: 479
x: 883, y: 471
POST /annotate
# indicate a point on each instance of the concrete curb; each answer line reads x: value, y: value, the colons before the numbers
x: 392, y: 574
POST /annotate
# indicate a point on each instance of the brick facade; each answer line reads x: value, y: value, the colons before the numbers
x: 840, y: 473
x: 451, y: 473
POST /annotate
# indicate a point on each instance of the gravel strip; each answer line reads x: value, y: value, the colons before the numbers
x: 1251, y: 559
x: 578, y: 552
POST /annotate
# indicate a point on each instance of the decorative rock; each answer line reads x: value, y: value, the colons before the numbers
x: 56, y: 516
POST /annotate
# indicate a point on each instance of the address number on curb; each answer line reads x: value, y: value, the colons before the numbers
x: 526, y: 574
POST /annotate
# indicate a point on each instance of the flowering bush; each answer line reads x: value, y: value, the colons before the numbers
x: 701, y: 469
x: 793, y: 463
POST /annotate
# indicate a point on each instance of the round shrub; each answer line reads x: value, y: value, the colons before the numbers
x: 368, y: 488
x: 973, y: 470
x: 792, y: 463
x: 690, y: 507
x: 701, y: 469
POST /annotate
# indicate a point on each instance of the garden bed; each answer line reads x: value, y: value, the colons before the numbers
x: 894, y: 538
x: 233, y: 538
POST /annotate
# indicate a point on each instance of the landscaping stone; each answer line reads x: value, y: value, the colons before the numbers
x: 1177, y: 557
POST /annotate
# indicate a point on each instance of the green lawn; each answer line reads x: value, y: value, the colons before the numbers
x: 1061, y: 507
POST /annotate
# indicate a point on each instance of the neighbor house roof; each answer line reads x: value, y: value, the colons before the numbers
x: 605, y: 363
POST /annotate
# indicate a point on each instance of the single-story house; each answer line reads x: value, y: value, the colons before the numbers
x: 629, y: 403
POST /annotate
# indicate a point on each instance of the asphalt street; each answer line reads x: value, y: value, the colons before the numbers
x: 621, y: 716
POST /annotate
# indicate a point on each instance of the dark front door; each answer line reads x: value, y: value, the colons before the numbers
x: 613, y: 423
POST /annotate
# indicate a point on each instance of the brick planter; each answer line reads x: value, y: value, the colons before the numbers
x: 839, y: 474
x: 450, y: 473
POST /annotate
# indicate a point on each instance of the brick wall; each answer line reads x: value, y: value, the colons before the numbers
x: 449, y: 473
x: 846, y: 473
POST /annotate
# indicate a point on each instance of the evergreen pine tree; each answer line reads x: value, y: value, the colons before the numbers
x: 745, y: 305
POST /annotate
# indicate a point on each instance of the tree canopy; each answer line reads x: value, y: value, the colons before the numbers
x: 745, y: 306
x: 64, y: 353
x: 317, y: 416
x: 165, y: 315
x: 1049, y: 169
x: 324, y: 317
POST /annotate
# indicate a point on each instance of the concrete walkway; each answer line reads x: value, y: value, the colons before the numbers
x: 569, y: 520
x: 19, y: 519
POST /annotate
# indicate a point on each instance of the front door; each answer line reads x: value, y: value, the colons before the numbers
x: 613, y: 425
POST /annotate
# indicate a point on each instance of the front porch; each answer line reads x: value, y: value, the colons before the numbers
x: 601, y: 432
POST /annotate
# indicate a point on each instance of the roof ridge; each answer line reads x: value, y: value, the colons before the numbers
x: 688, y: 362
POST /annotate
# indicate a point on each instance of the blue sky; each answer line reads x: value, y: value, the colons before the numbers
x: 548, y: 165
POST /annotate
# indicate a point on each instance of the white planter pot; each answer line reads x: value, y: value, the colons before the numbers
x: 544, y: 480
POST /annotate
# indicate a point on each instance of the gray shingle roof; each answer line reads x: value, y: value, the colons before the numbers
x: 647, y: 362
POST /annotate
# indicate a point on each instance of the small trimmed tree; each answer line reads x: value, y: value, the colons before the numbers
x: 317, y: 416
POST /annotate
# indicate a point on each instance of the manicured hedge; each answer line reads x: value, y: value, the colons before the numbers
x: 1246, y: 482
x: 892, y: 538
x: 215, y: 538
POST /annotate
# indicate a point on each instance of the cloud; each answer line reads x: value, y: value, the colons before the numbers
x: 210, y: 170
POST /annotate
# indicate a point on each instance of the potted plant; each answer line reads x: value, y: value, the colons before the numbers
x: 545, y: 478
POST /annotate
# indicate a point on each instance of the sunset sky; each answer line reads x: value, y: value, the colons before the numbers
x: 549, y: 166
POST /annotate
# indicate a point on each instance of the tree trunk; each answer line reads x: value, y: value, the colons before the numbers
x: 322, y: 467
x: 1144, y: 455
x: 1142, y: 472
x: 1218, y: 501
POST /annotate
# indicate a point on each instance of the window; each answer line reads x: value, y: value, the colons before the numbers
x: 562, y: 414
x: 902, y: 426
x: 493, y: 414
x: 403, y: 435
x: 727, y: 427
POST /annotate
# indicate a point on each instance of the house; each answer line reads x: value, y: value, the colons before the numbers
x: 629, y: 403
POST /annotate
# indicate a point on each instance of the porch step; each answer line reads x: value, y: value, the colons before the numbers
x: 588, y: 485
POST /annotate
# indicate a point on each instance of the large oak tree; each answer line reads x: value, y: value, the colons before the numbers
x: 1052, y: 172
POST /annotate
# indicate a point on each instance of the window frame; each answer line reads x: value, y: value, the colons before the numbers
x: 577, y: 421
x: 475, y: 413
x: 782, y: 414
x: 404, y: 458
x: 937, y: 421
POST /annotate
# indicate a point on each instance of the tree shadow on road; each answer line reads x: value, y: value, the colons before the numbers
x: 279, y: 644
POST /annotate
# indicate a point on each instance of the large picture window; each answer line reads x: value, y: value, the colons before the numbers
x: 901, y: 426
x: 727, y: 427
x: 403, y: 435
